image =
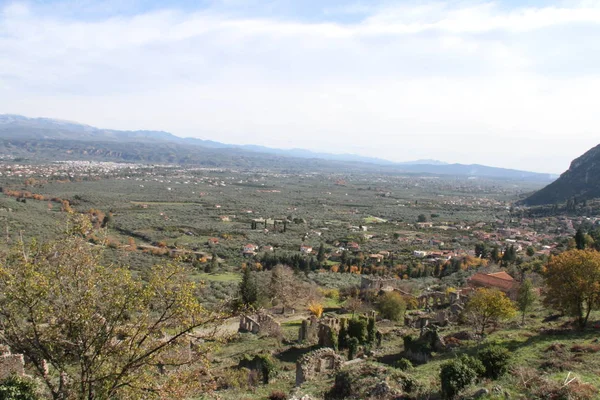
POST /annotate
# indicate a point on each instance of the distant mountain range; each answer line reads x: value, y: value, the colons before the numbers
x: 57, y: 139
x: 581, y: 181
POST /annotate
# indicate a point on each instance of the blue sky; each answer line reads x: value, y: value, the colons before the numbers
x: 504, y: 83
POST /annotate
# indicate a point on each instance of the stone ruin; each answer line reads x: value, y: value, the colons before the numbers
x: 377, y: 283
x: 315, y: 363
x: 435, y: 299
x: 11, y: 364
x: 328, y: 328
x: 309, y: 330
x: 419, y: 350
x: 313, y: 330
x: 260, y: 324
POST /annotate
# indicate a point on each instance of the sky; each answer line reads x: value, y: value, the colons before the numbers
x: 510, y: 83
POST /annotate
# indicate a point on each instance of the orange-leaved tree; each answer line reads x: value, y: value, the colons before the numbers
x: 573, y: 284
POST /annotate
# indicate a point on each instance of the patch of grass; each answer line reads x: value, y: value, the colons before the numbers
x: 218, y: 277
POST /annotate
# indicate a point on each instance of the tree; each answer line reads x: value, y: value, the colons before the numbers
x: 91, y: 332
x: 495, y: 255
x: 372, y: 330
x: 392, y: 306
x: 573, y: 283
x: 422, y: 218
x: 481, y: 250
x: 248, y: 289
x: 285, y: 289
x: 315, y: 308
x: 487, y: 307
x: 525, y: 298
x: 321, y: 253
x: 510, y: 255
x: 353, y: 304
x: 214, y: 262
x: 580, y: 239
x: 530, y: 251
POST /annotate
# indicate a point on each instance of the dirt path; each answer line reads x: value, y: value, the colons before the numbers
x: 231, y: 325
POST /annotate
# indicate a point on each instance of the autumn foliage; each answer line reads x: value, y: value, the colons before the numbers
x: 573, y: 283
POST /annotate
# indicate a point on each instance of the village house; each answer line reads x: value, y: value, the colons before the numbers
x: 376, y: 257
x: 353, y: 246
x: 306, y: 249
x: 250, y: 250
x: 497, y: 280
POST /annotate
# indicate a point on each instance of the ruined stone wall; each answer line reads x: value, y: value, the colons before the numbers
x: 268, y: 325
x: 318, y: 362
x: 327, y: 328
x: 11, y: 364
x: 259, y: 324
x: 248, y: 324
x: 376, y: 283
x: 308, y: 330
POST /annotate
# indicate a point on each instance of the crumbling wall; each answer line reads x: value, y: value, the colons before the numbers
x: 259, y: 324
x: 327, y: 329
x: 308, y: 330
x: 318, y: 362
x: 11, y: 364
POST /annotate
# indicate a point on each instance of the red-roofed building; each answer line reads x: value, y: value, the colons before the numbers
x: 497, y: 280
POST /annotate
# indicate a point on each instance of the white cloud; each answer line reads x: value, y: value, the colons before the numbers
x: 473, y: 82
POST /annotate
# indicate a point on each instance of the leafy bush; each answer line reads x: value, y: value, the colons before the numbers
x: 15, y: 388
x: 392, y: 306
x: 403, y: 364
x: 455, y: 376
x: 474, y: 363
x: 495, y: 360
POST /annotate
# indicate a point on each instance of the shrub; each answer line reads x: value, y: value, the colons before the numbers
x: 496, y: 360
x: 371, y: 331
x: 333, y: 339
x: 277, y: 395
x: 315, y: 309
x: 455, y: 376
x: 392, y: 306
x: 352, y: 347
x: 342, y: 388
x: 474, y: 363
x: 408, y: 383
x: 403, y: 364
x: 15, y: 388
x: 358, y: 328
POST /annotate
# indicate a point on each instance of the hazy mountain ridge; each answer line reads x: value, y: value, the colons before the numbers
x: 50, y: 138
x: 581, y: 181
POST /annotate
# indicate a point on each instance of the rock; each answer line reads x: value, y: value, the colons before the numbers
x: 480, y: 393
x: 382, y: 389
